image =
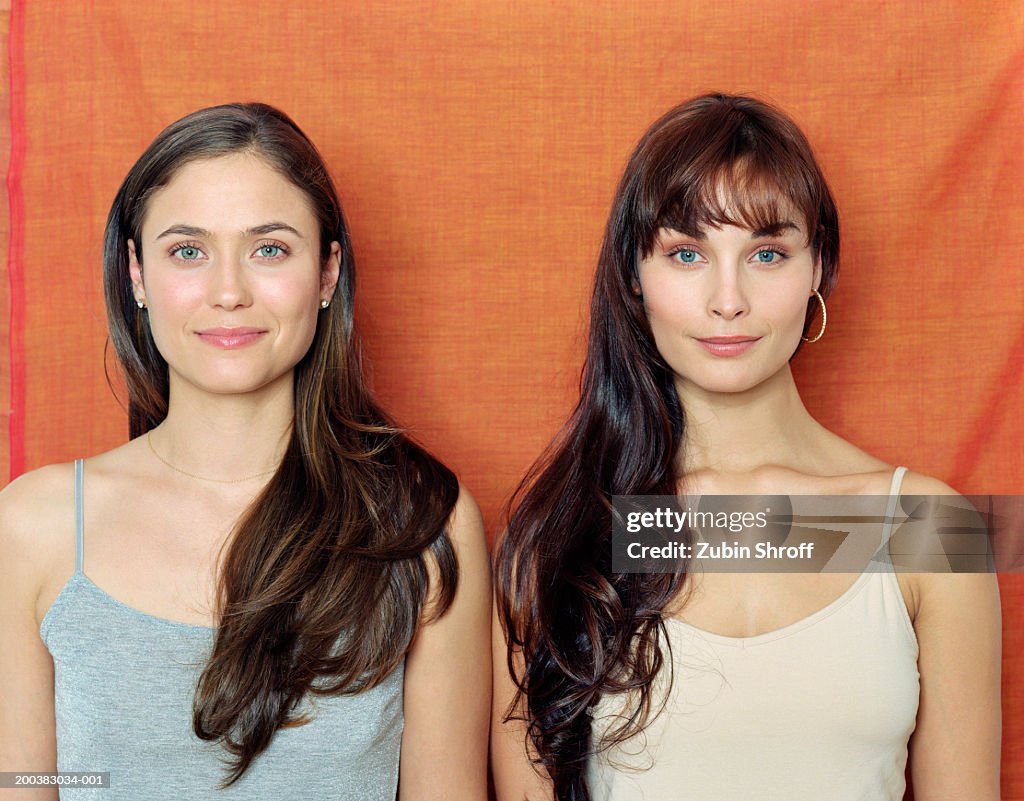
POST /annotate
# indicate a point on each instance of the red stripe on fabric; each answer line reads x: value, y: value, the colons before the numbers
x: 16, y: 245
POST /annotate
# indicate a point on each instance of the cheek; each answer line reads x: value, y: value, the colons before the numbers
x: 171, y: 302
x: 295, y: 299
x: 670, y: 303
x: 295, y: 305
x: 288, y: 300
x: 174, y: 290
x: 672, y: 319
x: 787, y: 308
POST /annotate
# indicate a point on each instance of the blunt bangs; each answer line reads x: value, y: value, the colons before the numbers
x: 728, y: 166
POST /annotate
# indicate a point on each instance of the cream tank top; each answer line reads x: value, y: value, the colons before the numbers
x: 819, y: 709
x: 123, y: 688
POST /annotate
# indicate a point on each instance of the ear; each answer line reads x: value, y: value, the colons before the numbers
x: 816, y: 279
x: 330, y: 272
x: 135, y: 271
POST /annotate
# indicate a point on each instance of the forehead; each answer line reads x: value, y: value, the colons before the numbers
x: 228, y: 193
x: 740, y: 193
x: 784, y: 229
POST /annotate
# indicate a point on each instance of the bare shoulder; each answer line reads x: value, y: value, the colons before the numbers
x: 37, y: 508
x: 37, y: 530
x: 921, y: 484
x: 37, y: 523
x: 940, y: 548
x: 472, y: 591
x: 466, y: 525
x: 465, y: 532
x: 469, y: 541
x: 32, y: 491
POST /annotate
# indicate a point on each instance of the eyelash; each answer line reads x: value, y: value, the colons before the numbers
x: 783, y: 255
x: 774, y: 249
x: 676, y: 251
x: 173, y: 252
x: 273, y: 243
x: 269, y: 243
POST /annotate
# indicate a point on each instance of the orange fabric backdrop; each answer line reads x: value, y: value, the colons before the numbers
x: 476, y: 147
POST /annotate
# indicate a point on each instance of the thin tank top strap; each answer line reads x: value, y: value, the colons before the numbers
x: 79, y: 514
x: 890, y: 508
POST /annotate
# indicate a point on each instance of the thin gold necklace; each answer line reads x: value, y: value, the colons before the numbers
x: 177, y: 469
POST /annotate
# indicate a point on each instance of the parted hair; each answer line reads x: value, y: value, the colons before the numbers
x: 325, y: 577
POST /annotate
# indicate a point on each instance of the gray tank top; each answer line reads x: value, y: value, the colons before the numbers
x: 123, y: 688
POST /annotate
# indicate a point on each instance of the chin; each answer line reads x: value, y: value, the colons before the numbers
x: 720, y: 384
x: 731, y: 387
x: 229, y: 388
x: 225, y: 383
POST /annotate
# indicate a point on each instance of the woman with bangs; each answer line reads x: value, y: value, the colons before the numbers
x: 270, y: 591
x: 721, y: 250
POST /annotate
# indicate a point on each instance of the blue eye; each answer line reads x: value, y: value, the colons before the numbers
x: 768, y: 256
x: 270, y: 251
x: 187, y: 253
x: 686, y: 256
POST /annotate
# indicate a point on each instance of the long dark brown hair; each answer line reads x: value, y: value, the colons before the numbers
x: 576, y: 630
x: 334, y: 549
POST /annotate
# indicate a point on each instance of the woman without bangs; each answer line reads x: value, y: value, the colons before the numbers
x: 721, y: 247
x: 269, y: 591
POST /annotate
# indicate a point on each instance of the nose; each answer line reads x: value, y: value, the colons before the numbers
x: 229, y: 287
x: 727, y: 300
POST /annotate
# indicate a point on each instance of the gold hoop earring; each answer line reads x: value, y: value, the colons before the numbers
x: 824, y: 318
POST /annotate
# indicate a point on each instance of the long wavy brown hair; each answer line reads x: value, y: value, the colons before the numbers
x: 325, y: 577
x: 576, y: 630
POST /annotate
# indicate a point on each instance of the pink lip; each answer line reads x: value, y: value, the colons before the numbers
x: 230, y: 338
x: 728, y: 346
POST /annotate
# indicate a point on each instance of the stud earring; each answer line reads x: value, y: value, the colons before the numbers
x: 824, y: 319
x: 324, y: 303
x: 141, y: 304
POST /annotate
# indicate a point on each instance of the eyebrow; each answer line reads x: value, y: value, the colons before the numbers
x: 772, y: 229
x: 775, y: 229
x: 258, y: 230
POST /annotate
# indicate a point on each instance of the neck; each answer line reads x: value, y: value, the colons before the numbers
x: 225, y: 438
x: 740, y: 432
